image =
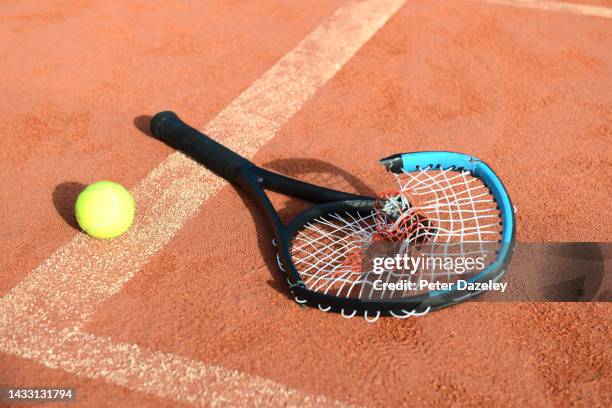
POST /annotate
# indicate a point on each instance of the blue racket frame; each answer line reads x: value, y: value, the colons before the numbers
x: 414, y: 162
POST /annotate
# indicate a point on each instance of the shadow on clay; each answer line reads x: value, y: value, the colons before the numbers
x: 310, y: 170
x: 141, y: 123
x: 64, y: 197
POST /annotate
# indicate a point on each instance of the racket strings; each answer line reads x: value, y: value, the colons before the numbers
x: 437, y: 214
x: 327, y: 252
x: 399, y: 220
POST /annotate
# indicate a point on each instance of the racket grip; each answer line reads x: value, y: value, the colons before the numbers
x: 170, y: 129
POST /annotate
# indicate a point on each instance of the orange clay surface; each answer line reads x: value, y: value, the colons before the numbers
x: 528, y: 90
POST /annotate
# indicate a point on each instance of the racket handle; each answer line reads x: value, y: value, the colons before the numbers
x: 170, y: 129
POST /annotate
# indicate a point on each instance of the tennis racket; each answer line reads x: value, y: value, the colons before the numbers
x: 447, y: 206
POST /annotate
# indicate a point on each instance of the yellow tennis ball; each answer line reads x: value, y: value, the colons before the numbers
x: 105, y: 209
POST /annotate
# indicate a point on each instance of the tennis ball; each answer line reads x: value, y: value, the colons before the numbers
x: 105, y: 209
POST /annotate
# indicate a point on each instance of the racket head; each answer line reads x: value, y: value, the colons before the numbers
x: 328, y: 250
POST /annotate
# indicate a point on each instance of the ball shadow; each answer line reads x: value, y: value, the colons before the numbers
x: 64, y: 197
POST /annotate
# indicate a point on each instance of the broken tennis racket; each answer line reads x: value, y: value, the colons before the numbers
x: 447, y: 208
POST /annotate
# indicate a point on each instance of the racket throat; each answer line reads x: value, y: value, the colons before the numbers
x: 300, y: 189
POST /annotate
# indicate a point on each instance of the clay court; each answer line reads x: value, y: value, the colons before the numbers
x: 188, y: 308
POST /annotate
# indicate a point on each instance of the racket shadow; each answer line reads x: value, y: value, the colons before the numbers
x: 318, y: 172
x: 314, y: 171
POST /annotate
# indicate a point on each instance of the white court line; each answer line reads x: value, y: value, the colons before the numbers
x: 547, y: 5
x: 67, y: 288
x: 130, y: 366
